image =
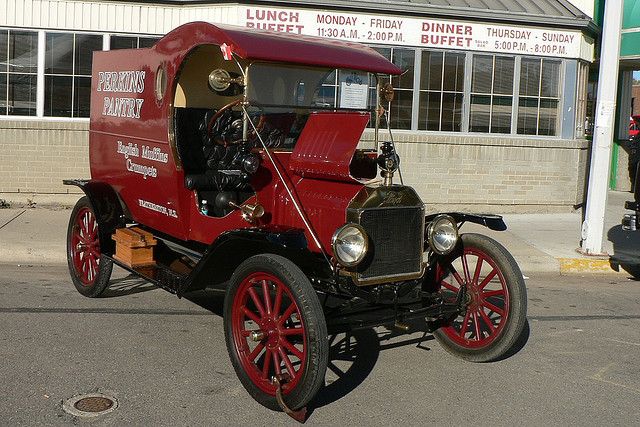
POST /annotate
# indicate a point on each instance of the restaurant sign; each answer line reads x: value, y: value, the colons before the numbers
x: 403, y: 31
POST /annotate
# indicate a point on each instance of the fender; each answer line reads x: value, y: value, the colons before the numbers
x: 233, y: 247
x: 108, y: 208
x: 491, y: 221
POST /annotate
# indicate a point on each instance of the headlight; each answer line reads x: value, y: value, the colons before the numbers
x: 250, y: 163
x: 349, y: 244
x: 442, y: 234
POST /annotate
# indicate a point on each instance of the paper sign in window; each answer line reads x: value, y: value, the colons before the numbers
x: 353, y: 95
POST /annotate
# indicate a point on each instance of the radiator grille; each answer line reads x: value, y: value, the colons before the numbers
x: 396, y: 238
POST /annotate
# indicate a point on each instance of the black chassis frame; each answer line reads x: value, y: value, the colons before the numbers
x: 347, y: 306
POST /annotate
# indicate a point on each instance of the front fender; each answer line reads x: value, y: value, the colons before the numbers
x: 107, y: 206
x: 491, y: 221
x: 232, y: 248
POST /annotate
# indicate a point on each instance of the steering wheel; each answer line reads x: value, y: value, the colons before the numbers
x: 217, y: 115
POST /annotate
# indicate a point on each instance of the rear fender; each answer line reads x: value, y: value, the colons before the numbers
x: 491, y: 221
x: 232, y: 248
x: 107, y: 206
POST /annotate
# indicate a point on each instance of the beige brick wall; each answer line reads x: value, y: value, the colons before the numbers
x: 35, y: 156
x: 461, y: 172
x: 494, y: 174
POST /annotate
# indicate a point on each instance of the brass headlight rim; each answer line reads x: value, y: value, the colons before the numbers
x: 334, y: 239
x: 431, y: 228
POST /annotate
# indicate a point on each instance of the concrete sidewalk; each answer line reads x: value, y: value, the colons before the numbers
x: 539, y: 242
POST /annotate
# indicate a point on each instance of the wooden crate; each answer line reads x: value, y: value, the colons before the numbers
x: 134, y: 246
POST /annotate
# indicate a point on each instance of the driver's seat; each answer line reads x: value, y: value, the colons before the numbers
x: 218, y: 154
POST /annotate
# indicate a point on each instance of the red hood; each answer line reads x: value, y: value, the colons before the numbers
x: 327, y: 144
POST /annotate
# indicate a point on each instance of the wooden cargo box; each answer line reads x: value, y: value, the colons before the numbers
x: 134, y: 246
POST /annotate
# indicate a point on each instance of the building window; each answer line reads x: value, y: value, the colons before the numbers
x: 538, y: 107
x: 491, y: 94
x: 590, y: 120
x: 68, y: 60
x: 506, y: 95
x: 328, y: 90
x: 131, y: 42
x: 441, y: 91
x: 582, y: 121
x: 402, y: 105
x: 403, y: 84
x: 18, y: 72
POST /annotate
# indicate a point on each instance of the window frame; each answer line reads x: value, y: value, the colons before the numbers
x: 8, y: 73
x: 41, y: 73
x: 75, y: 75
x: 492, y: 94
x: 414, y: 92
x: 467, y: 93
x: 442, y: 91
x: 540, y: 97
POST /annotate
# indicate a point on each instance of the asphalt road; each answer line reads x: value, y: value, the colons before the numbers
x: 164, y: 360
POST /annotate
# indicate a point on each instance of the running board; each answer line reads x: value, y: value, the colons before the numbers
x: 158, y: 274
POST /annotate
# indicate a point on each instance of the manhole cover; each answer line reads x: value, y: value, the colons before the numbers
x: 90, y: 405
x: 93, y: 404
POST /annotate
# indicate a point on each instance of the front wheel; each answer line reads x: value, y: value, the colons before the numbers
x: 494, y: 299
x: 90, y: 271
x: 275, y: 329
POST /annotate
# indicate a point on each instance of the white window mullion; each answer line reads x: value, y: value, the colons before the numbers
x: 516, y: 95
x: 5, y: 71
x: 415, y: 102
x: 539, y: 99
x: 73, y: 77
x: 466, y: 97
x: 40, y: 83
x: 444, y: 61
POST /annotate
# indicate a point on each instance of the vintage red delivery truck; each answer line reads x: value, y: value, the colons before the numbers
x: 230, y: 157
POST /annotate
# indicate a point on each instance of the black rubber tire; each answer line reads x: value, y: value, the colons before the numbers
x: 90, y: 271
x: 268, y: 271
x: 507, y: 282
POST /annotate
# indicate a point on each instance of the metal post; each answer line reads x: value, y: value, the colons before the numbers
x: 593, y: 225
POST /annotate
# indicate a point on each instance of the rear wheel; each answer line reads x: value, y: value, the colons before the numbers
x: 494, y: 298
x: 90, y: 271
x: 275, y: 328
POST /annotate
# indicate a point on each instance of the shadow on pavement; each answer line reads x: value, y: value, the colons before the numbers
x: 210, y: 299
x: 519, y: 344
x: 353, y: 355
x: 128, y: 285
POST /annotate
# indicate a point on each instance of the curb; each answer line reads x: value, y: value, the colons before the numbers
x: 582, y: 265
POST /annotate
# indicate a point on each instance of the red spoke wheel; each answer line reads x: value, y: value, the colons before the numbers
x: 494, y: 299
x: 275, y: 328
x: 90, y: 272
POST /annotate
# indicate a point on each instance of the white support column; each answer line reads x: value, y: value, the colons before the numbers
x: 593, y: 225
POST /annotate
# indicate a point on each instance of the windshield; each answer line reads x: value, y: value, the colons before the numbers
x: 311, y: 87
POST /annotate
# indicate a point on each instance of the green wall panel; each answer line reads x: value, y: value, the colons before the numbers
x: 630, y: 44
x: 631, y: 14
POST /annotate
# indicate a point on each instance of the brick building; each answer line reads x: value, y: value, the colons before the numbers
x: 489, y: 114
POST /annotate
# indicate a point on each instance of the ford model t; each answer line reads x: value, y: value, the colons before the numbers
x: 229, y: 157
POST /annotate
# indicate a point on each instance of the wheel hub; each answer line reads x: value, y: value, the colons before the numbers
x: 257, y: 336
x: 473, y: 296
x: 271, y: 330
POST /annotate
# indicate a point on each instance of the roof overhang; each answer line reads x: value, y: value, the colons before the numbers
x: 548, y: 13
